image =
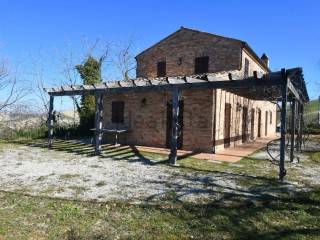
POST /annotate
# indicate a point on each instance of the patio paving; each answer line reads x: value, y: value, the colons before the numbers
x: 232, y: 154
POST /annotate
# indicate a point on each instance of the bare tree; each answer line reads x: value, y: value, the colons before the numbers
x: 39, y: 90
x: 10, y: 89
x: 124, y: 60
x: 71, y: 77
x: 70, y: 59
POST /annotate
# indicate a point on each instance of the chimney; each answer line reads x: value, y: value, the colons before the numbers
x: 265, y: 59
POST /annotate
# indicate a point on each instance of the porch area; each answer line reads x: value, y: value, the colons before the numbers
x: 230, y: 155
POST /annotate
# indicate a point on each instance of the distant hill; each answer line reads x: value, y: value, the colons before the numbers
x: 16, y: 120
x: 312, y: 106
x: 311, y: 112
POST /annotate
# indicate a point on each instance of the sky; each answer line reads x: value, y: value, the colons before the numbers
x: 36, y: 34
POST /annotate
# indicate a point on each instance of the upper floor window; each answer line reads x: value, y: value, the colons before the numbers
x: 201, y: 65
x: 161, y: 69
x: 246, y: 67
x: 270, y: 117
x: 117, y: 112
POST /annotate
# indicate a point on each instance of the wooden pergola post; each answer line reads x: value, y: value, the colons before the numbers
x: 176, y: 95
x: 98, y: 123
x: 50, y: 121
x: 293, y: 129
x: 298, y: 126
x: 301, y: 126
x: 284, y: 95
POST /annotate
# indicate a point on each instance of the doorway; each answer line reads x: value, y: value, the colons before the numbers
x: 169, y: 125
x: 227, y: 124
x: 266, y: 125
x: 259, y: 123
x: 252, y: 124
x: 245, y: 124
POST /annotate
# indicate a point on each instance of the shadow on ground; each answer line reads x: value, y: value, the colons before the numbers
x: 259, y: 207
x: 225, y: 183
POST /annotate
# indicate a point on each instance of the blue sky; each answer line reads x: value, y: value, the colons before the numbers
x: 38, y: 31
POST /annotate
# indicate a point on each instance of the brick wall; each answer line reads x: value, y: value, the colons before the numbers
x: 147, y: 121
x: 237, y: 104
x: 224, y: 54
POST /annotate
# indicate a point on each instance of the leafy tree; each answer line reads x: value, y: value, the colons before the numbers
x: 90, y: 73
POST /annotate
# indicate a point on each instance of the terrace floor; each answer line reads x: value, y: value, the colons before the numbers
x: 232, y: 154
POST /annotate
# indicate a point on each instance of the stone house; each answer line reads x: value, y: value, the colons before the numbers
x: 210, y: 120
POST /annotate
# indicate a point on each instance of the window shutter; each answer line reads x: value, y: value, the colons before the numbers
x: 117, y: 112
x: 246, y: 68
x: 201, y: 65
x: 161, y: 69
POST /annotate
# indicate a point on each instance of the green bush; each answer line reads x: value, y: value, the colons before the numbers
x: 66, y: 131
x: 313, y: 128
x: 32, y: 133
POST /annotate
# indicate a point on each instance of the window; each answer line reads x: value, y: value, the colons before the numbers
x: 117, y: 112
x: 246, y: 68
x: 161, y: 69
x: 201, y: 64
x: 270, y: 117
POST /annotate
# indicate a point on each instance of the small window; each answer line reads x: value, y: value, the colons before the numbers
x: 117, y: 112
x: 246, y: 68
x: 270, y: 117
x: 201, y: 65
x: 161, y: 69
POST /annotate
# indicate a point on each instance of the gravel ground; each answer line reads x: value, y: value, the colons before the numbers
x: 38, y: 171
x: 59, y: 174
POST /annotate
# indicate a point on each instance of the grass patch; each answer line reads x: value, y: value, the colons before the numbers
x: 311, y: 106
x: 25, y: 217
x: 68, y: 176
x: 101, y: 184
x: 95, y: 166
x: 288, y: 215
x: 315, y: 157
x: 78, y: 189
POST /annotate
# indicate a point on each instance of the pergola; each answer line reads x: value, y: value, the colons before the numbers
x: 285, y: 85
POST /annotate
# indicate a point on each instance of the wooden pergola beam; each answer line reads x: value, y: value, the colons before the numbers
x: 293, y: 91
x: 196, y: 84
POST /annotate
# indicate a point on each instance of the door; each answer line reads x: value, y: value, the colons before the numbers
x: 245, y: 124
x: 259, y: 123
x: 266, y: 125
x: 252, y: 124
x: 169, y: 125
x: 227, y: 124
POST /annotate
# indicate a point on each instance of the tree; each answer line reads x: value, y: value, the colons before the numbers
x: 124, y: 60
x: 70, y: 74
x: 10, y: 90
x: 90, y: 73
